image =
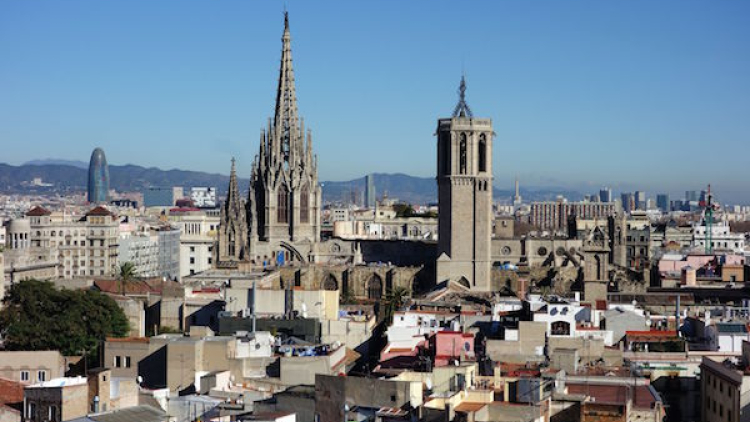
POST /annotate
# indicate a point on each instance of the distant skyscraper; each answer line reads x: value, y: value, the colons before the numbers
x: 370, y: 191
x: 662, y: 201
x: 517, y: 200
x: 640, y: 200
x: 605, y: 195
x: 98, y: 177
x: 628, y: 202
x: 691, y: 195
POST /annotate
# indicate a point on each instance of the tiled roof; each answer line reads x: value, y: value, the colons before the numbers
x: 134, y: 287
x: 10, y: 391
x: 38, y: 212
x: 99, y: 211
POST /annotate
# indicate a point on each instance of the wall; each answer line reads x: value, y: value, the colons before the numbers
x: 12, y: 363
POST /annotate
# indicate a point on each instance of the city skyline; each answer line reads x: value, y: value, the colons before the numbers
x: 645, y: 85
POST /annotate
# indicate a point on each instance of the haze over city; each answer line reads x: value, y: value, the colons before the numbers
x: 633, y: 95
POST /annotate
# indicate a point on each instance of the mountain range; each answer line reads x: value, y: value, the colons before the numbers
x: 72, y: 176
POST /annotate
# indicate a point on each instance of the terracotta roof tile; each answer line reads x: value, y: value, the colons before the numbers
x: 11, y: 392
x: 38, y: 212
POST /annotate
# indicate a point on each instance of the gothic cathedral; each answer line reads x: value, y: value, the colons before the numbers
x: 280, y: 220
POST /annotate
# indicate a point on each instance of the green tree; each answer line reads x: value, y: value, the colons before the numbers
x: 125, y: 273
x: 37, y: 316
x: 394, y: 300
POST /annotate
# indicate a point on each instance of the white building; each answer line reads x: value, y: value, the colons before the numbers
x: 197, y: 239
x: 721, y: 238
x: 727, y: 337
x: 203, y: 197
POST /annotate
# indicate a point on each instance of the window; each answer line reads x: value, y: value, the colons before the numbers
x: 32, y: 410
x: 53, y: 413
x: 24, y: 375
x: 210, y: 261
x: 192, y: 249
x: 41, y: 376
x: 482, y: 152
x: 462, y: 154
x: 118, y: 362
x: 282, y: 205
x: 127, y: 361
x: 304, y: 205
x: 192, y: 260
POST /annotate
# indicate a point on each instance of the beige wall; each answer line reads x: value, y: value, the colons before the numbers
x: 12, y: 363
x: 71, y: 401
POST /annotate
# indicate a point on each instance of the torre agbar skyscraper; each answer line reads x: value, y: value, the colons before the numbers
x: 98, y: 187
x: 280, y: 220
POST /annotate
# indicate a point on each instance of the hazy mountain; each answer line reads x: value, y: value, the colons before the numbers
x: 53, y: 161
x: 129, y: 178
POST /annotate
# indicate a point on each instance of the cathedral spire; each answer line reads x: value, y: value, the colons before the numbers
x: 462, y: 109
x: 233, y: 195
x: 286, y: 119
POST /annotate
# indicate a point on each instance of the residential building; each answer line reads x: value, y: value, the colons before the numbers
x: 198, y: 238
x: 28, y: 367
x: 724, y: 387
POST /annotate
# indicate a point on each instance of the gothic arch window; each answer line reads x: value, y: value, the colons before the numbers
x: 446, y: 146
x: 462, y: 154
x: 330, y: 283
x: 282, y: 205
x: 304, y: 205
x: 482, y: 152
x: 375, y: 287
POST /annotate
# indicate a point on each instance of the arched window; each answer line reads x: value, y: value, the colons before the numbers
x: 330, y: 283
x: 304, y: 205
x: 282, y: 205
x: 482, y: 152
x: 446, y: 153
x: 462, y: 154
x: 375, y: 287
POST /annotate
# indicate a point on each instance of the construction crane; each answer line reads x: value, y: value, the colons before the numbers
x: 708, y: 217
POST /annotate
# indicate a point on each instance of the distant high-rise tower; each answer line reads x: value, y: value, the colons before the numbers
x: 605, y: 195
x: 98, y: 177
x: 662, y: 202
x: 370, y: 191
x: 464, y: 178
x: 517, y: 200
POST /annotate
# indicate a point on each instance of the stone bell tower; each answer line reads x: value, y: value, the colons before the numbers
x: 464, y: 177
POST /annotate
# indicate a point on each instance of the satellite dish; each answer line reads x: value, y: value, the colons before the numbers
x: 139, y: 379
x: 428, y: 383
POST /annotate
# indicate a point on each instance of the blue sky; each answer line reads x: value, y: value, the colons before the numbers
x: 646, y: 94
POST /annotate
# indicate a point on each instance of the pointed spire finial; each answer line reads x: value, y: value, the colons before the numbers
x: 462, y: 109
x: 286, y: 19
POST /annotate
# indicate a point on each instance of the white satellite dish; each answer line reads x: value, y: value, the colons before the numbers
x: 139, y: 379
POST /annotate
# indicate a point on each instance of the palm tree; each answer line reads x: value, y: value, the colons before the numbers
x: 125, y: 273
x: 395, y: 299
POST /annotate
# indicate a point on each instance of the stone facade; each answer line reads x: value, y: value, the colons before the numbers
x: 280, y: 221
x: 464, y: 177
